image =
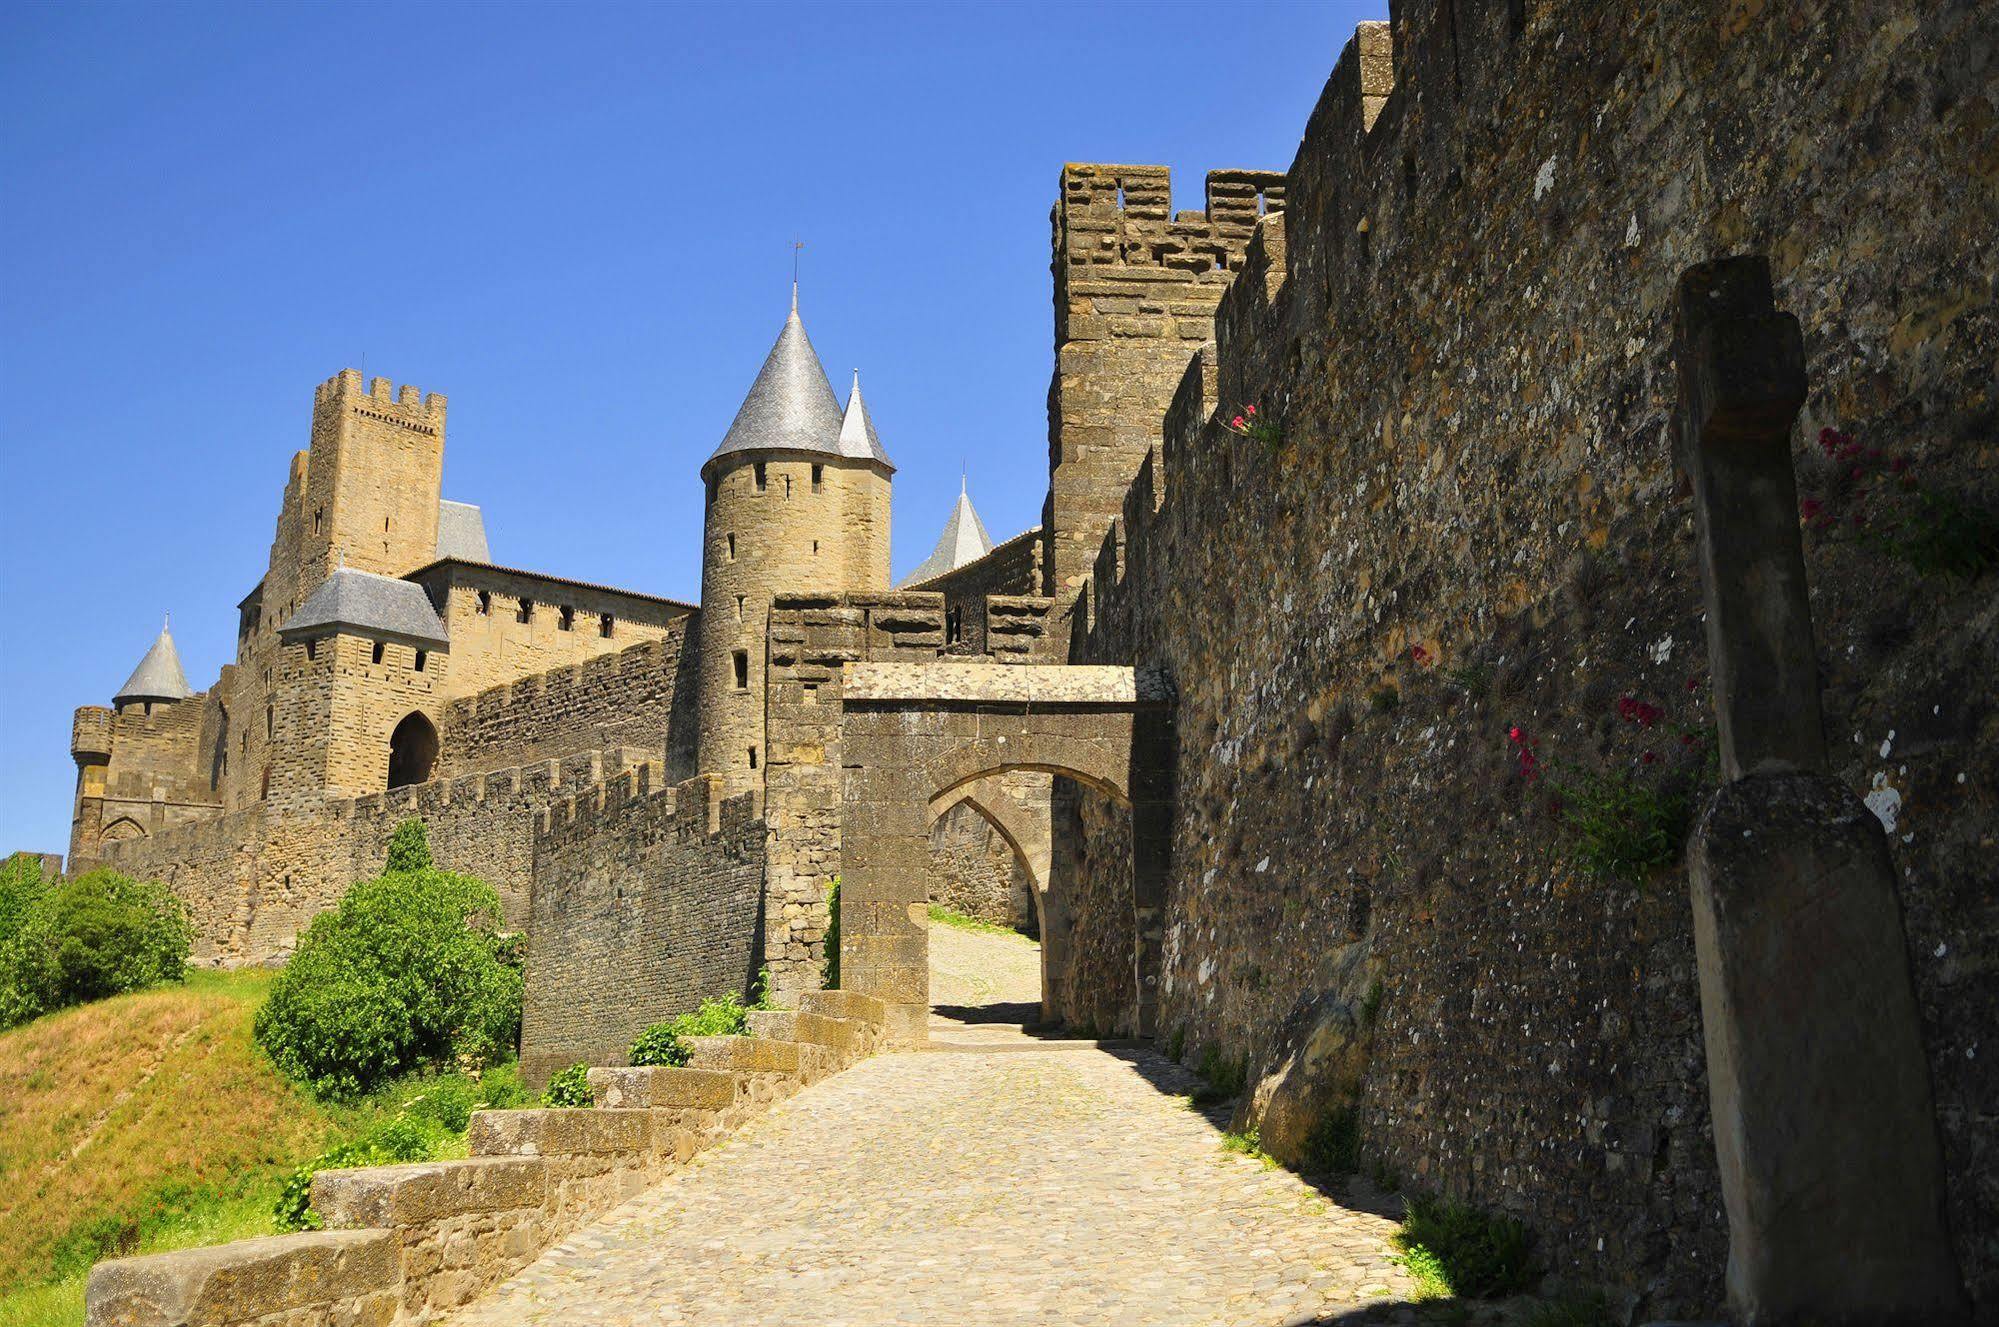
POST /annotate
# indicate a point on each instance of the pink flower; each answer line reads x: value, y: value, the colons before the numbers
x: 1249, y: 410
x: 1808, y: 508
x: 1693, y: 685
x: 1650, y: 757
x: 1515, y: 733
x: 1236, y: 422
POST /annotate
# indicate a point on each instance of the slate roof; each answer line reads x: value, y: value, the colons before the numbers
x: 461, y: 532
x: 158, y: 676
x: 369, y: 605
x: 858, y: 438
x: 790, y: 406
x: 964, y: 540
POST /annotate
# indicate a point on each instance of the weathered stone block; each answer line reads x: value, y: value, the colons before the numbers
x: 656, y: 1087
x: 423, y: 1192
x: 350, y: 1276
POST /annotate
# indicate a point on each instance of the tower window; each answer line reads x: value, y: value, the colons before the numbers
x: 317, y: 516
x: 818, y: 478
x: 270, y: 723
x: 732, y: 548
x: 815, y: 548
x: 485, y: 603
x: 422, y: 657
x: 566, y: 619
x: 739, y: 607
x: 312, y: 649
x: 605, y: 625
x: 759, y: 467
x: 526, y: 611
x: 742, y: 670
x: 379, y: 648
x: 787, y: 488
x: 954, y: 626
x: 149, y: 709
x: 753, y: 757
x: 385, y: 525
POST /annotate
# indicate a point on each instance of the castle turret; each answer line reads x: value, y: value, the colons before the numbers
x: 158, y: 678
x: 797, y: 500
x: 964, y: 540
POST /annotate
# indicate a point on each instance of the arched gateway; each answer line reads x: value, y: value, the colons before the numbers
x: 915, y: 738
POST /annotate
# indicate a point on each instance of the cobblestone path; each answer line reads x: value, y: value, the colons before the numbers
x: 993, y: 1179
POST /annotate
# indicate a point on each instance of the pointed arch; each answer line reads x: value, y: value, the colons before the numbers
x: 412, y: 750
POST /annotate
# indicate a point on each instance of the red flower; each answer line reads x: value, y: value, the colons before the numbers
x: 1236, y: 422
x: 1808, y: 508
x: 1515, y: 733
x: 1899, y: 464
x: 1650, y: 757
x: 1419, y: 654
x: 1249, y: 410
x: 1859, y: 520
x: 1693, y: 685
x: 1632, y: 710
x: 1686, y: 739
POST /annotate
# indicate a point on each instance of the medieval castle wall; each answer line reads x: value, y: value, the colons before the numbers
x: 1461, y: 322
x: 646, y: 902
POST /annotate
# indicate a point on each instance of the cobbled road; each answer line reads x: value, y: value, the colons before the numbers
x: 991, y: 1179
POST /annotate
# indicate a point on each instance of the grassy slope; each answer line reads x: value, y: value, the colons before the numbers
x: 137, y: 1123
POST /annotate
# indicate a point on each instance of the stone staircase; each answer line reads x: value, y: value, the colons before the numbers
x: 407, y: 1244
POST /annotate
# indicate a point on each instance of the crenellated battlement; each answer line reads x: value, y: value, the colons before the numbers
x: 407, y: 405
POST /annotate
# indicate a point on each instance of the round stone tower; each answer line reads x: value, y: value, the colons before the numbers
x: 797, y: 501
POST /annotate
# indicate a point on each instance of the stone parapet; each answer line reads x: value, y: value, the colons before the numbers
x: 348, y: 1278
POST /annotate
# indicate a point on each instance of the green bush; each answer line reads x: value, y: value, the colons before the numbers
x: 63, y: 942
x: 408, y: 972
x: 409, y: 849
x: 1225, y: 1078
x: 1475, y: 1255
x: 1333, y: 1147
x: 569, y: 1087
x: 404, y: 1138
x: 722, y: 1016
x: 659, y: 1045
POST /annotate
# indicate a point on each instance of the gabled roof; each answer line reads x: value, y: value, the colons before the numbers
x: 964, y: 540
x: 858, y: 438
x: 461, y: 532
x: 159, y: 675
x: 370, y: 605
x: 790, y: 406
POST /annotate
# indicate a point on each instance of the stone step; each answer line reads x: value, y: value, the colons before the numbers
x: 555, y: 1132
x: 845, y: 1004
x: 319, y: 1276
x: 799, y: 1060
x: 661, y: 1087
x: 842, y: 1034
x: 424, y: 1192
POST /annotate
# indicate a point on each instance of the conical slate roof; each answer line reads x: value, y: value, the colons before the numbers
x: 858, y: 438
x: 791, y: 406
x: 964, y: 540
x: 159, y: 675
x: 369, y: 605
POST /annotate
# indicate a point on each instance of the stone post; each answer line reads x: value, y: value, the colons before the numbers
x: 1831, y: 1170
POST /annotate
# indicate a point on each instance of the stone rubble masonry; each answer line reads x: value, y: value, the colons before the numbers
x: 975, y: 871
x: 407, y: 1244
x: 810, y: 637
x: 1461, y: 319
x: 645, y: 903
x: 1136, y: 286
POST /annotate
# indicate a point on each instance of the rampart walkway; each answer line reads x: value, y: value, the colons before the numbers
x: 993, y: 1179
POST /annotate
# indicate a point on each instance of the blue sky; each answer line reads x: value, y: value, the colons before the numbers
x: 574, y: 220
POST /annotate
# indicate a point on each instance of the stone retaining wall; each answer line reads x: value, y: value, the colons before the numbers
x: 407, y: 1244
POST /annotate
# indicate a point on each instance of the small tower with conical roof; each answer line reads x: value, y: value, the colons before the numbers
x: 158, y: 679
x: 797, y: 500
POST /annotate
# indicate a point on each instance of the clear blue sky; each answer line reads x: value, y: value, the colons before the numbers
x: 574, y: 220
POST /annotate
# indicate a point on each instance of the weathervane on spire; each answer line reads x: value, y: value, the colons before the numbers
x: 797, y: 246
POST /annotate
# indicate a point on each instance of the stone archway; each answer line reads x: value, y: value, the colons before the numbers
x: 412, y: 750
x: 1017, y: 811
x: 916, y: 737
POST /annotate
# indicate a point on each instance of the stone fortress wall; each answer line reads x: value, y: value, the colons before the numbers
x: 1461, y: 319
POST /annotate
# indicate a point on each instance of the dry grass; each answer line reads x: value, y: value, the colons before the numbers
x: 124, y: 1119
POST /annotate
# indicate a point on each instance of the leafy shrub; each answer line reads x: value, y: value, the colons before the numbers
x: 66, y: 941
x: 660, y: 1045
x: 404, y: 1138
x: 569, y: 1087
x: 721, y: 1016
x: 409, y: 849
x: 407, y: 972
x: 448, y: 1101
x: 1225, y: 1078
x: 1476, y: 1256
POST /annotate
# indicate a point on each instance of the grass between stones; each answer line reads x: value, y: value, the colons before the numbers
x: 944, y: 916
x: 152, y: 1121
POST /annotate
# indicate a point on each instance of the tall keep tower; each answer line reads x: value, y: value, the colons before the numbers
x: 797, y: 500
